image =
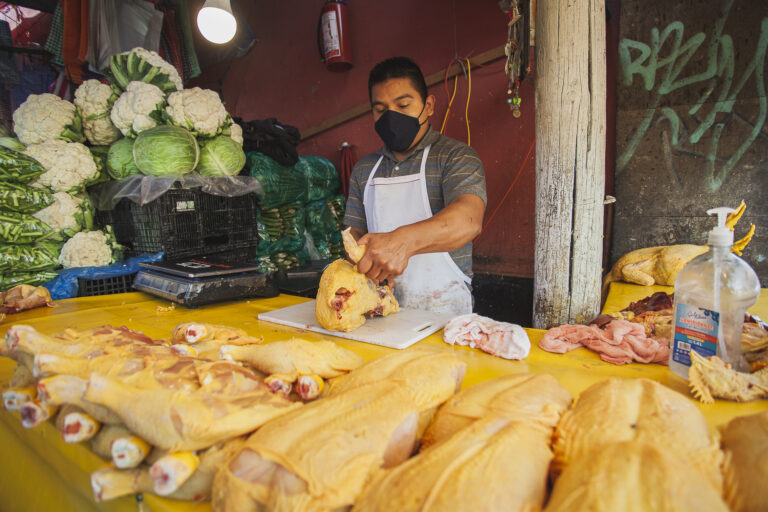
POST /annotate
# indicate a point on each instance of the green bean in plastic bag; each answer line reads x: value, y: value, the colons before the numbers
x: 21, y: 228
x: 22, y: 198
x: 281, y: 185
x: 8, y: 281
x: 322, y: 178
x: 18, y: 167
x: 26, y: 258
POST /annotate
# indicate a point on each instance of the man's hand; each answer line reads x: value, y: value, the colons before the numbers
x: 386, y: 255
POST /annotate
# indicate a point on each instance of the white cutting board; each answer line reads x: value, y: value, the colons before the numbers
x: 399, y: 330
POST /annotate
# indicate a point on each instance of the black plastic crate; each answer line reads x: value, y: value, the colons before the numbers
x: 184, y: 223
x: 108, y: 286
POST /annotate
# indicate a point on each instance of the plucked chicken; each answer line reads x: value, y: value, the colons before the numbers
x: 493, y: 464
x: 633, y: 476
x: 319, y: 457
x: 177, y: 420
x: 639, y: 410
x: 76, y: 425
x: 537, y: 399
x: 745, y: 444
x: 204, y: 340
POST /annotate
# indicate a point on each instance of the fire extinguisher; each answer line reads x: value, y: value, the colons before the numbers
x: 333, y: 36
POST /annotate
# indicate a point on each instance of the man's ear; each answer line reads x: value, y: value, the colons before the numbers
x: 429, y: 105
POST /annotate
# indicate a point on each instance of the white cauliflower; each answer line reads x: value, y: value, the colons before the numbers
x: 95, y: 99
x: 67, y: 215
x: 68, y: 166
x: 137, y: 108
x: 44, y: 117
x: 236, y: 133
x: 87, y: 249
x: 143, y: 65
x: 165, y: 67
x: 198, y: 110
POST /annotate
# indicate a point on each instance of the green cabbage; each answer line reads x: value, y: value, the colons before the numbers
x: 220, y: 156
x: 165, y: 151
x: 120, y: 162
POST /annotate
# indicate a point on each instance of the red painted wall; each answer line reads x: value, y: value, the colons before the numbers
x: 283, y: 77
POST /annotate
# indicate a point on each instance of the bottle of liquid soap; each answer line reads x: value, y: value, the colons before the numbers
x: 712, y: 293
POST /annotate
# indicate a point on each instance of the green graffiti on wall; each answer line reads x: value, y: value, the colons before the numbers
x: 664, y: 73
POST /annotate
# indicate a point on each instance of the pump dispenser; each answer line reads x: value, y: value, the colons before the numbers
x: 712, y: 293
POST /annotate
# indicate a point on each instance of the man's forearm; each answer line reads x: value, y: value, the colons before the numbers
x: 453, y: 227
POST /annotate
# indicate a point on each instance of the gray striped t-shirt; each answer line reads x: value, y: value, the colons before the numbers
x: 452, y: 169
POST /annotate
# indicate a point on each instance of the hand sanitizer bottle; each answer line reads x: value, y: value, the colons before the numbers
x: 712, y: 293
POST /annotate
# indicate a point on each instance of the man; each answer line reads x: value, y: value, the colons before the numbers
x: 418, y: 202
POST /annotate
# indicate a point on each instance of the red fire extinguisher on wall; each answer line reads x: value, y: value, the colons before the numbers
x: 333, y: 36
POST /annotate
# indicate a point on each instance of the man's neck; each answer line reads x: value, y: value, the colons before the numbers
x: 402, y: 156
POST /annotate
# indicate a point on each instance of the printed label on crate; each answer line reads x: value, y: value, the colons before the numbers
x: 695, y: 329
x: 185, y: 206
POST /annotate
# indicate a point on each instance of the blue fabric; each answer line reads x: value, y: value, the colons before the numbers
x: 65, y: 286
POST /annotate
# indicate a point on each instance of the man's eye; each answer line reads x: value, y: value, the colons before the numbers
x: 404, y: 107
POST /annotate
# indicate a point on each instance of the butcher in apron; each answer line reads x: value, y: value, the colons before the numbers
x: 406, y: 244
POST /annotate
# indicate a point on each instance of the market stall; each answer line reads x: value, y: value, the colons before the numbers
x: 62, y: 470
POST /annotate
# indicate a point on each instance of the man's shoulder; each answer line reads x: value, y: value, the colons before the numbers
x: 447, y: 147
x: 365, y: 164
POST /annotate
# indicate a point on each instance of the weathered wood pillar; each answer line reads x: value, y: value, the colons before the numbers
x: 570, y: 160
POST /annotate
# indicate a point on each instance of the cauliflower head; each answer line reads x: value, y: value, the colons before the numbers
x: 89, y: 249
x: 95, y: 99
x: 68, y: 166
x: 198, y: 110
x: 143, y: 65
x: 236, y: 133
x: 44, y: 117
x: 67, y: 215
x: 138, y: 108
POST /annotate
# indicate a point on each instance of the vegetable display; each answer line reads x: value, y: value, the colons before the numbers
x: 120, y: 162
x: 138, y: 108
x: 26, y: 258
x: 18, y: 167
x: 44, y: 117
x: 165, y: 151
x: 67, y: 215
x: 31, y: 278
x: 90, y: 249
x: 69, y: 166
x: 22, y: 228
x: 22, y: 198
x: 198, y: 110
x: 220, y: 156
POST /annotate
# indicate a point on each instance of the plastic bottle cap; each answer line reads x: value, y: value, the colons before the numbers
x: 721, y: 235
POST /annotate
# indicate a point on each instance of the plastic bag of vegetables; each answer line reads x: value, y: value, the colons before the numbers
x: 26, y: 258
x: 220, y: 156
x: 165, y: 151
x: 120, y: 162
x: 322, y: 178
x: 321, y: 222
x: 280, y: 185
x: 68, y: 215
x: 8, y: 281
x: 22, y: 228
x: 17, y: 167
x: 23, y: 199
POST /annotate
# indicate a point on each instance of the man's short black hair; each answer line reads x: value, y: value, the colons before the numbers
x: 398, y: 67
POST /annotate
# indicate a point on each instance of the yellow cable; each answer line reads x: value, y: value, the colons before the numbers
x: 450, y: 102
x: 469, y: 92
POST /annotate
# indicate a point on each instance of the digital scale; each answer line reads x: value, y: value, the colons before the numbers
x: 199, y: 281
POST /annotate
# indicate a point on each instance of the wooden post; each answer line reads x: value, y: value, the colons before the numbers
x: 570, y: 160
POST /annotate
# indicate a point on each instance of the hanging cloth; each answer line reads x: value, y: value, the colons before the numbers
x: 74, y: 44
x: 345, y: 169
x: 55, y: 37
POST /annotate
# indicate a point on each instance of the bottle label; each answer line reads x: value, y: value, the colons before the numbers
x: 695, y: 329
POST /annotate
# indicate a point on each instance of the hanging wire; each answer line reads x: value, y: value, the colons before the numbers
x: 469, y: 93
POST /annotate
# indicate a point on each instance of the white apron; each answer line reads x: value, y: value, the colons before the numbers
x: 431, y: 281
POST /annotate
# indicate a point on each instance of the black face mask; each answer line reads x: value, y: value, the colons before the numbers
x: 398, y: 130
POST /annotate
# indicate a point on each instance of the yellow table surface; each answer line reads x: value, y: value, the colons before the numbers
x: 41, y: 472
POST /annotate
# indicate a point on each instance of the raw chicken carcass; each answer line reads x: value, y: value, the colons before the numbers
x: 633, y: 476
x: 23, y: 297
x: 535, y: 399
x: 177, y: 420
x: 204, y: 340
x: 295, y: 357
x: 346, y: 298
x: 500, y: 339
x: 745, y: 443
x: 319, y: 456
x: 494, y: 464
x: 638, y: 410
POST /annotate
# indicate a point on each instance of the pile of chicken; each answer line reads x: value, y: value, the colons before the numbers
x: 167, y: 413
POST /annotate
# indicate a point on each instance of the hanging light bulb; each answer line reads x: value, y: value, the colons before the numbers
x: 216, y: 21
